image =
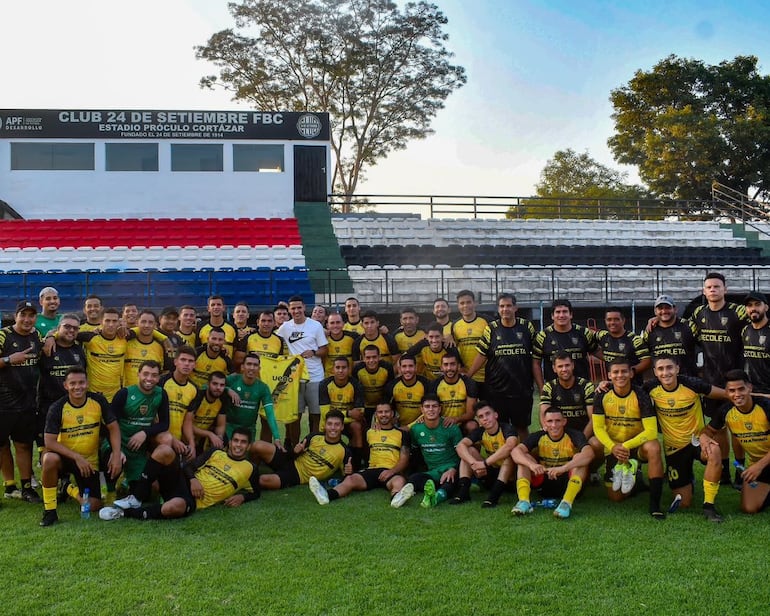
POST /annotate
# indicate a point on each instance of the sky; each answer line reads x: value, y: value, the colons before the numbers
x: 539, y: 73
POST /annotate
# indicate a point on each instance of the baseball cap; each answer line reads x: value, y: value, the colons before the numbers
x: 169, y: 310
x: 755, y: 296
x: 664, y: 299
x: 25, y: 305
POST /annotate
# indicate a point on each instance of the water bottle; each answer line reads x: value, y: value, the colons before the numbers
x: 333, y: 483
x: 547, y: 503
x: 85, y: 508
x: 741, y: 468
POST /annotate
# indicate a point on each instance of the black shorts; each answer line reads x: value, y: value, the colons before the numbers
x: 371, y: 477
x: 91, y: 482
x: 553, y: 488
x: 21, y: 427
x: 172, y: 483
x: 515, y: 410
x: 611, y: 461
x: 283, y: 466
x: 679, y: 466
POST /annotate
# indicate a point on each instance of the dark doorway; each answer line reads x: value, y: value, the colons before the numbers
x: 310, y: 173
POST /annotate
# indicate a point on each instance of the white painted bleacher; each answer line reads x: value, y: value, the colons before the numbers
x: 158, y: 257
x: 395, y: 230
x: 534, y: 285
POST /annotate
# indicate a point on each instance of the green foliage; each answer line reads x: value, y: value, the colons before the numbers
x: 575, y: 185
x: 686, y: 124
x: 382, y: 73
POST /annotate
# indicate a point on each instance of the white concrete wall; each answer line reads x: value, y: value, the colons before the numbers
x: 133, y: 194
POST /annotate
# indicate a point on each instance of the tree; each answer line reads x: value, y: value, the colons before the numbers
x: 381, y: 73
x: 575, y: 185
x: 686, y: 124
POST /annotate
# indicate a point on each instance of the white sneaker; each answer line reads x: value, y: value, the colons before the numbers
x: 111, y: 513
x: 129, y: 502
x: 617, y: 477
x: 34, y: 483
x: 628, y: 478
x: 16, y: 493
x: 403, y: 495
x: 320, y: 493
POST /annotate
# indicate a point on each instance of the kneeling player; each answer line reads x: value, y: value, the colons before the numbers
x: 72, y: 443
x: 319, y: 455
x: 557, y: 458
x: 496, y: 470
x: 214, y: 477
x: 749, y: 421
x: 625, y: 423
x: 388, y: 458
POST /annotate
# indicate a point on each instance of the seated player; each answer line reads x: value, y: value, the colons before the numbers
x: 72, y: 443
x: 495, y: 470
x: 318, y: 455
x: 624, y: 422
x: 677, y: 402
x: 556, y: 461
x: 749, y: 421
x: 437, y: 442
x: 216, y: 476
x: 388, y: 459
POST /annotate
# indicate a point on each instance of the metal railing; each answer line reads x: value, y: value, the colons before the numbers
x: 464, y: 206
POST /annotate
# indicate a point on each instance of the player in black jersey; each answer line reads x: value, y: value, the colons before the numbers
x: 616, y: 342
x: 53, y: 368
x: 167, y: 325
x: 562, y: 335
x: 756, y: 342
x: 719, y: 324
x: 20, y: 347
x: 505, y: 349
x: 671, y: 335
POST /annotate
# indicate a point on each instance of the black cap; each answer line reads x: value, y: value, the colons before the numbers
x: 755, y: 296
x: 169, y: 310
x: 25, y: 305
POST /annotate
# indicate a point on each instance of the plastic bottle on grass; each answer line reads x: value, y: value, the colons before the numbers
x: 85, y: 508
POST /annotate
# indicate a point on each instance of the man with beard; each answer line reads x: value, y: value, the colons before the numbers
x: 756, y: 342
x: 672, y: 335
x: 456, y: 392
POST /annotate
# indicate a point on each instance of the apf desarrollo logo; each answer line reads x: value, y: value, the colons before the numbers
x: 309, y: 126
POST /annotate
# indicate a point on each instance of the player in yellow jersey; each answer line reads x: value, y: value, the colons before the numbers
x: 72, y: 443
x: 388, y: 459
x: 141, y: 346
x: 208, y: 420
x: 353, y: 316
x: 92, y: 309
x: 554, y: 460
x: 318, y: 455
x: 677, y: 402
x: 374, y: 374
x: 496, y: 468
x: 217, y: 309
x: 372, y: 335
x: 442, y: 316
x: 457, y: 393
x: 187, y: 325
x: 749, y: 422
x: 343, y: 394
x: 625, y: 423
x: 339, y: 342
x: 467, y: 332
x: 408, y: 334
x: 406, y: 392
x: 105, y: 353
x: 217, y: 476
x: 429, y: 352
x: 211, y: 357
x: 182, y: 395
x: 263, y: 341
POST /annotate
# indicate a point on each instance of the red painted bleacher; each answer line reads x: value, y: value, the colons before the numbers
x: 149, y: 232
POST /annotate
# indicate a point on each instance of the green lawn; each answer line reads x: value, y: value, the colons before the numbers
x: 284, y: 554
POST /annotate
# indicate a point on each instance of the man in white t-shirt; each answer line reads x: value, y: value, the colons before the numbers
x: 305, y: 337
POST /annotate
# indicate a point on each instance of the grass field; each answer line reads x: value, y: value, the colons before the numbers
x: 284, y: 554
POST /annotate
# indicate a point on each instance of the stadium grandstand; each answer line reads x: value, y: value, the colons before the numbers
x: 169, y: 207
